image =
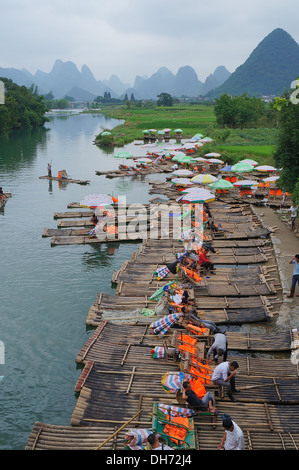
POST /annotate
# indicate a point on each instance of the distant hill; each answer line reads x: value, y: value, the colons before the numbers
x: 184, y: 83
x: 115, y: 84
x: 149, y: 88
x: 20, y: 77
x: 269, y: 69
x: 214, y: 80
x: 65, y: 77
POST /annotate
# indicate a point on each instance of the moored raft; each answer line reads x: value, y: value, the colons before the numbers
x: 4, y: 199
x: 57, y: 437
x: 221, y: 310
x: 64, y: 179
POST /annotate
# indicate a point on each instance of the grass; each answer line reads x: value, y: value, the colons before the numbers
x: 192, y: 119
x: 233, y: 144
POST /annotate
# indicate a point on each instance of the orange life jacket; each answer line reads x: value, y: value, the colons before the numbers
x: 192, y: 274
x: 111, y: 229
x: 197, y: 386
x: 196, y: 329
x: 177, y: 433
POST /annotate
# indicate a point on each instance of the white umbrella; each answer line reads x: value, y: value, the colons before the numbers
x: 197, y: 197
x: 200, y: 159
x: 246, y: 183
x: 214, y: 160
x: 182, y: 181
x: 250, y: 162
x: 183, y: 173
x: 265, y: 168
x: 212, y: 154
x: 270, y: 179
x: 143, y: 160
x: 188, y: 145
x: 97, y: 200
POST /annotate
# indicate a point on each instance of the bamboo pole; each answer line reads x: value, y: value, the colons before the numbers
x: 120, y: 429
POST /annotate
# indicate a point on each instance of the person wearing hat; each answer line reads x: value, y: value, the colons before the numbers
x: 233, y: 438
x: 219, y: 347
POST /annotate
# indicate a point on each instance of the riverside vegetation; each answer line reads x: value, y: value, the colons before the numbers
x: 233, y: 143
x: 23, y: 107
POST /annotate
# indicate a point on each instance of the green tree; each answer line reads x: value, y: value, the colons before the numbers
x: 238, y: 111
x: 287, y: 150
x: 165, y: 99
x: 23, y: 107
x: 62, y: 104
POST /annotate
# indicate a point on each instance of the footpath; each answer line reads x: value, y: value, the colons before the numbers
x: 286, y: 245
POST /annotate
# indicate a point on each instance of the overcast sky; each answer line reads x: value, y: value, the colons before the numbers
x: 137, y: 37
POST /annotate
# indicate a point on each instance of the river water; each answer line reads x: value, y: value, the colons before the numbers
x: 46, y: 291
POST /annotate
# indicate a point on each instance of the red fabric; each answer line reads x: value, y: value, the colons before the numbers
x: 202, y: 258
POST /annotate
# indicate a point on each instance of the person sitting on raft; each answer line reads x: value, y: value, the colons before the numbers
x: 207, y: 402
x: 94, y: 219
x: 204, y: 262
x: 180, y: 298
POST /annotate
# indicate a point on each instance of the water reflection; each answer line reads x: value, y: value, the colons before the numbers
x: 103, y: 255
x: 19, y: 148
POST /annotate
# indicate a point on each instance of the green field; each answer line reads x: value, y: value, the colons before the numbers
x: 233, y: 144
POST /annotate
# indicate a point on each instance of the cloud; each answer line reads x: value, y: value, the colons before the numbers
x: 133, y: 37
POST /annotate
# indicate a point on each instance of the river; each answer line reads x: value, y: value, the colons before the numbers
x: 46, y: 291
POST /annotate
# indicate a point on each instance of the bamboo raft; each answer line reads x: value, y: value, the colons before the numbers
x: 64, y: 180
x: 53, y: 437
x: 131, y: 271
x: 117, y: 361
x: 4, y: 200
x: 143, y: 234
x: 130, y: 382
x: 202, y: 289
x: 221, y: 310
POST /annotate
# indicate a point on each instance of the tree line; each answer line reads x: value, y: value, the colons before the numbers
x: 23, y: 107
x: 243, y: 111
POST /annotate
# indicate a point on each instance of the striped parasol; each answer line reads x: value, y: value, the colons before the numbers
x: 182, y: 182
x: 204, y: 179
x: 173, y: 381
x: 183, y: 173
x: 162, y: 325
x: 97, y: 200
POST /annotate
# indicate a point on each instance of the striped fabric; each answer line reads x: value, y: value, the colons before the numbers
x: 136, y: 439
x: 172, y: 381
x: 162, y: 325
x: 158, y: 352
x: 185, y: 412
x: 162, y: 272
